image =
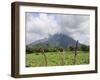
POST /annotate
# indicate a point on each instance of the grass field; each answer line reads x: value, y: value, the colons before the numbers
x: 54, y: 59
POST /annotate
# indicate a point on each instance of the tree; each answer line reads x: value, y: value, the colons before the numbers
x: 28, y: 49
x: 71, y: 48
x: 84, y: 48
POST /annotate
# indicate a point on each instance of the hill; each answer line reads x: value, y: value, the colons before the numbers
x: 54, y: 41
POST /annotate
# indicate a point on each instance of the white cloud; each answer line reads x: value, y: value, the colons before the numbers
x: 76, y: 26
x: 41, y: 25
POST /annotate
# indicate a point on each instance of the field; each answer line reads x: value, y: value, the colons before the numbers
x: 54, y: 59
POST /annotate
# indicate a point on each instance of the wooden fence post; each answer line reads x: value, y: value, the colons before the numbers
x: 43, y: 53
x: 76, y: 47
x: 62, y: 56
x: 45, y: 58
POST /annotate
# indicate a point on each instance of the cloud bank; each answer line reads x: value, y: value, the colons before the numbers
x: 41, y: 25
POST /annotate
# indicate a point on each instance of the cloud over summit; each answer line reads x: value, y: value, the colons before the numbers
x: 41, y: 25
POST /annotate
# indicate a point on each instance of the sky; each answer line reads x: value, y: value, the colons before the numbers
x: 42, y: 25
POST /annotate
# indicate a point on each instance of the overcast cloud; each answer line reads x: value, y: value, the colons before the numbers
x: 41, y: 25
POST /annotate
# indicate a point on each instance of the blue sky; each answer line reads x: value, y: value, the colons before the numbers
x: 41, y: 25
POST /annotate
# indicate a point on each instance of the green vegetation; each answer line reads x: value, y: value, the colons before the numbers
x: 50, y: 55
x: 51, y: 48
x: 36, y: 59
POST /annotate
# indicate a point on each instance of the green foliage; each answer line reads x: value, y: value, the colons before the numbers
x: 52, y: 48
x: 53, y: 58
x: 71, y: 48
x: 84, y: 48
x: 28, y: 50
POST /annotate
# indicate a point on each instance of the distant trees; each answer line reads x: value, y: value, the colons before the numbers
x: 84, y: 48
x: 28, y: 50
x: 36, y: 49
x: 71, y: 48
x: 80, y: 48
x: 51, y: 48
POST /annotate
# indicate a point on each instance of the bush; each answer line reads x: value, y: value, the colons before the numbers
x: 71, y: 48
x: 84, y: 48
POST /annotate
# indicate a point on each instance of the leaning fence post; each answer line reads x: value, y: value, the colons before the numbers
x: 76, y: 47
x: 45, y: 59
x: 62, y: 56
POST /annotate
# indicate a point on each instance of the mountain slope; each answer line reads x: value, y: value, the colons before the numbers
x: 56, y: 40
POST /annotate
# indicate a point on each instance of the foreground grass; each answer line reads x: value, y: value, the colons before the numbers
x: 54, y: 59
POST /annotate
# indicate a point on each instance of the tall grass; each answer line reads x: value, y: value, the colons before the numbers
x: 53, y: 59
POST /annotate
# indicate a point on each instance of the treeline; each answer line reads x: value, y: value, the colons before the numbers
x: 80, y: 48
x: 55, y: 49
